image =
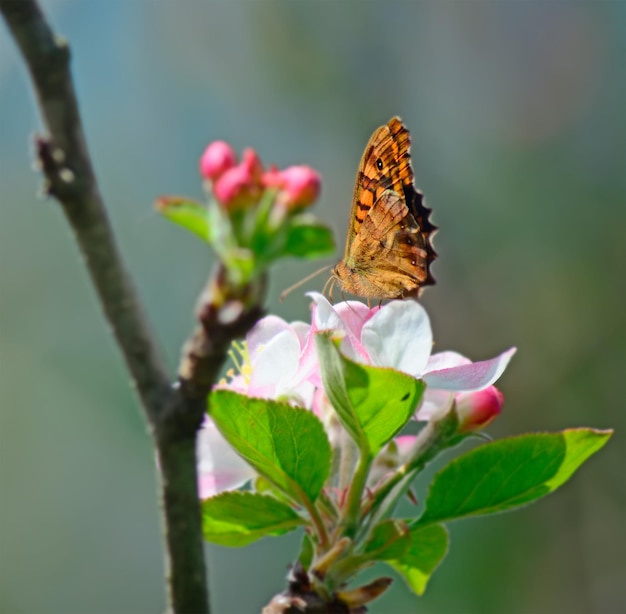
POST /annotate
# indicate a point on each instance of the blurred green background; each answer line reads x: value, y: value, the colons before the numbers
x: 518, y: 117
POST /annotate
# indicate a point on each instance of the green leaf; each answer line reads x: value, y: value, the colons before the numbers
x: 428, y: 547
x: 373, y: 403
x: 308, y: 238
x: 389, y: 540
x: 509, y: 473
x: 187, y: 213
x: 240, y: 518
x: 285, y: 444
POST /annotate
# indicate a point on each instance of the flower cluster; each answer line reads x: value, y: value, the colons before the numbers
x: 279, y: 361
x: 239, y: 185
x: 253, y: 216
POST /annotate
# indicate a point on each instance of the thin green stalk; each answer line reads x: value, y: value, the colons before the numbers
x: 348, y: 455
x: 320, y: 527
x: 355, y: 494
x: 430, y: 441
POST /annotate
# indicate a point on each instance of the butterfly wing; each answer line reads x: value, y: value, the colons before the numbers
x: 389, y: 257
x: 401, y: 222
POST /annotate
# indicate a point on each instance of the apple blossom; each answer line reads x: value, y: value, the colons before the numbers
x: 399, y: 335
x: 276, y: 362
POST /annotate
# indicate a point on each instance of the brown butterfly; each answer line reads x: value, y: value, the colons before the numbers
x: 388, y: 248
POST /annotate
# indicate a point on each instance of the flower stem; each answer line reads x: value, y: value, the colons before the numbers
x: 316, y: 518
x: 351, y: 514
x: 430, y: 441
x: 348, y: 460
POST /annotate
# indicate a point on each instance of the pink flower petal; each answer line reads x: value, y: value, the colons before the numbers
x: 445, y: 360
x: 331, y: 317
x: 470, y: 377
x: 404, y: 443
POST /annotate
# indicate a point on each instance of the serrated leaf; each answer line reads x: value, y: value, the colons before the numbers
x: 306, y: 237
x: 373, y: 403
x: 389, y: 539
x: 285, y: 444
x: 186, y: 213
x: 240, y: 518
x: 428, y: 547
x: 508, y: 473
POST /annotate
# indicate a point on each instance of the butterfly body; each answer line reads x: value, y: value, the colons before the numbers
x: 388, y: 249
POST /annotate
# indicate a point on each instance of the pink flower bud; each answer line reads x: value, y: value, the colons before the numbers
x: 477, y: 409
x: 240, y: 185
x: 252, y: 163
x: 273, y: 178
x: 301, y: 186
x: 235, y: 187
x: 217, y: 158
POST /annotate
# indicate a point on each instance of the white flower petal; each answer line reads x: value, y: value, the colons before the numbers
x: 302, y: 331
x: 445, y: 360
x: 264, y: 331
x: 435, y: 404
x: 329, y: 317
x: 219, y: 466
x: 275, y: 362
x: 399, y: 336
x: 470, y: 377
x: 325, y: 316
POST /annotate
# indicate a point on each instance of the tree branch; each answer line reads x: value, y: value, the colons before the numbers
x: 173, y: 413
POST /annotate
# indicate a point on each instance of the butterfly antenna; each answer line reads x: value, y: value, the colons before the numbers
x: 284, y: 293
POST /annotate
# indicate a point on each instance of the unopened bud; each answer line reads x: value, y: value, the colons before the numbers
x: 301, y: 186
x: 217, y: 158
x: 475, y: 410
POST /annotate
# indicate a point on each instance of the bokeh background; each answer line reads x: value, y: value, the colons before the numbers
x: 518, y: 116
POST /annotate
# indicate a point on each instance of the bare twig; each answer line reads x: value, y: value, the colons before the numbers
x: 173, y: 413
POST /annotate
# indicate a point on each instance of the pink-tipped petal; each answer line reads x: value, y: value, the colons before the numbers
x: 445, y: 360
x: 355, y: 314
x: 328, y: 317
x: 470, y: 377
